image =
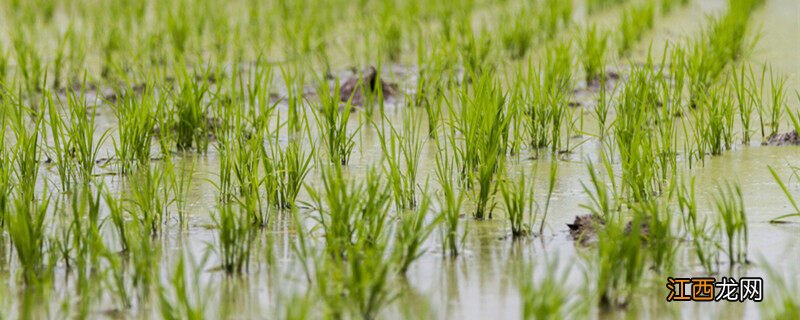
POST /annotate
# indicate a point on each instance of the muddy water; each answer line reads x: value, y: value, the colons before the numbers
x: 480, y: 284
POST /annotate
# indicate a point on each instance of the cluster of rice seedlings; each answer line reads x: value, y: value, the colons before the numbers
x: 730, y: 208
x: 721, y: 42
x: 189, y: 117
x: 332, y: 120
x: 519, y: 205
x: 777, y: 101
x: 484, y: 125
x: 635, y: 22
x: 29, y: 61
x: 595, y: 5
x: 547, y: 98
x: 742, y: 82
x: 401, y: 152
x: 518, y: 36
x: 234, y: 238
x: 450, y: 200
x: 184, y: 297
x: 593, y: 44
x: 475, y: 50
x: 704, y: 237
x: 636, y: 137
x: 620, y: 260
x: 26, y: 230
x: 714, y: 119
x: 412, y: 231
x: 544, y: 296
x: 150, y: 198
x: 136, y: 122
x: 668, y: 5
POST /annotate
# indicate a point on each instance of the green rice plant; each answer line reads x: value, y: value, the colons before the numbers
x: 28, y: 60
x: 777, y: 101
x: 744, y: 101
x: 554, y: 16
x: 184, y: 296
x: 179, y: 183
x: 3, y: 65
x: 731, y: 212
x: 235, y: 237
x: 518, y: 200
x: 602, y: 197
x: 332, y: 121
x: 635, y: 137
x: 25, y: 156
x: 136, y: 128
x: 635, y: 22
x: 544, y: 297
x: 595, y: 5
x: 788, y: 194
x: 116, y: 213
x: 668, y: 5
x: 783, y: 304
x: 81, y: 133
x: 150, y: 199
x: 517, y: 33
x: 475, y: 51
x: 621, y: 261
x: 401, y: 152
x: 413, y: 230
x: 704, y: 237
x: 290, y: 167
x: 484, y: 125
x: 593, y: 44
x: 450, y: 200
x: 547, y: 99
x: 714, y: 119
x: 61, y: 148
x: 6, y: 171
x: 550, y: 188
x: 392, y: 36
x: 26, y: 230
x: 189, y: 114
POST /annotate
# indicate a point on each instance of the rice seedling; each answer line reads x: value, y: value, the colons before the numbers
x: 234, y: 238
x: 635, y: 22
x: 593, y: 44
x: 401, y: 153
x: 550, y: 188
x: 704, y: 237
x: 61, y: 148
x: 81, y: 133
x: 29, y: 61
x: 620, y: 261
x: 332, y: 121
x: 788, y: 194
x: 150, y: 198
x: 595, y: 5
x: 184, y: 297
x: 484, y: 124
x: 553, y: 16
x: 714, y: 119
x: 547, y: 98
x: 412, y: 231
x: 26, y: 230
x: 778, y: 101
x: 602, y: 197
x: 450, y: 201
x: 136, y: 126
x: 544, y: 297
x: 518, y: 201
x: 732, y: 215
x: 475, y: 51
x: 518, y: 33
x: 188, y: 118
x: 783, y: 303
x: 744, y: 101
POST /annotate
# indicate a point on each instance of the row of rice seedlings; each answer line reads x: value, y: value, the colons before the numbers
x: 731, y: 212
x: 635, y: 22
x: 721, y: 42
x: 401, y: 152
x: 518, y: 34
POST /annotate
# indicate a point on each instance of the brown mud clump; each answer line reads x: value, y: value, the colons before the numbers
x: 353, y: 88
x: 784, y: 139
x: 584, y: 228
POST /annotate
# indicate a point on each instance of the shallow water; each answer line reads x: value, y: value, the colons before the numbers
x: 479, y: 284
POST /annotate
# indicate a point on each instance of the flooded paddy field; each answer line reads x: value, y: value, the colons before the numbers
x: 461, y: 159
